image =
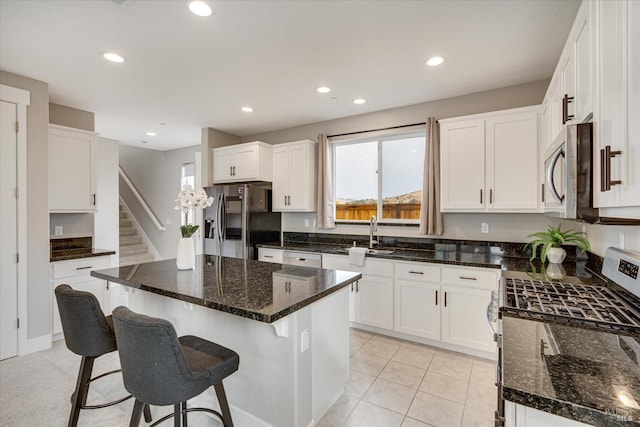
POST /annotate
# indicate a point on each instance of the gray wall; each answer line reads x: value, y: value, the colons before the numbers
x: 481, y: 102
x: 156, y: 175
x: 71, y: 117
x: 37, y: 194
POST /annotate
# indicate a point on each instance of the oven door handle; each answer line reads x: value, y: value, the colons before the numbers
x: 490, y: 318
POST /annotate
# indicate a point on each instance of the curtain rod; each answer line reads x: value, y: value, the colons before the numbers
x: 376, y: 130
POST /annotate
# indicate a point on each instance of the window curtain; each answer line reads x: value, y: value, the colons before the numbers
x: 430, y: 215
x: 325, y: 202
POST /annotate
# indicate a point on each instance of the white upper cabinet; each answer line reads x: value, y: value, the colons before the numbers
x: 251, y: 161
x: 569, y: 98
x: 72, y: 169
x: 616, y: 124
x: 294, y: 177
x: 489, y: 162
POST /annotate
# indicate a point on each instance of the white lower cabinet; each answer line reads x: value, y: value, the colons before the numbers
x: 517, y: 415
x: 77, y: 274
x: 371, y: 299
x: 270, y: 255
x: 466, y: 294
x: 417, y: 299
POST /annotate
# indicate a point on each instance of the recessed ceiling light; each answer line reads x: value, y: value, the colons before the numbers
x: 151, y: 134
x: 247, y: 109
x: 359, y: 101
x: 435, y: 60
x: 200, y: 8
x: 323, y: 89
x: 113, y: 57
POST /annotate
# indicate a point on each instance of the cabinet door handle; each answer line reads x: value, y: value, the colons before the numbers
x: 84, y: 268
x: 565, y: 108
x: 467, y: 278
x: 542, y: 193
x: 481, y: 196
x: 491, y: 196
x: 358, y: 286
x: 436, y: 297
x: 94, y: 199
x: 289, y: 200
x: 445, y: 299
x: 230, y: 170
x: 267, y: 256
x: 416, y: 272
x: 605, y: 170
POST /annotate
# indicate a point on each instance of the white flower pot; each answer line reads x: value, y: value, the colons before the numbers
x: 186, y: 257
x: 556, y: 255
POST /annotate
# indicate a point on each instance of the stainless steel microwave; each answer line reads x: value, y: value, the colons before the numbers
x: 569, y: 184
x: 568, y: 169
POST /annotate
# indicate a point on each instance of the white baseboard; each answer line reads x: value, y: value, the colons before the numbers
x: 32, y: 345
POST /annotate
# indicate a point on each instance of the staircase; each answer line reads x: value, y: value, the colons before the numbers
x: 132, y: 248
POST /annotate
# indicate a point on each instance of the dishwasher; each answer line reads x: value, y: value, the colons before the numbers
x: 305, y: 259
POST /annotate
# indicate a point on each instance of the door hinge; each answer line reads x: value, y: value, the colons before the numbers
x: 17, y: 127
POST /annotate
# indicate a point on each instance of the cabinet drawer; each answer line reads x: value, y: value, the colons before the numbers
x: 80, y: 267
x: 470, y: 277
x: 270, y: 255
x: 417, y: 271
x: 371, y: 266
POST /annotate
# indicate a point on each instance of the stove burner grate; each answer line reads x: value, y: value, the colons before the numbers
x: 570, y: 302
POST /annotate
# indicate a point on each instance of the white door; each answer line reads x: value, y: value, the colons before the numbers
x: 374, y: 302
x: 8, y: 231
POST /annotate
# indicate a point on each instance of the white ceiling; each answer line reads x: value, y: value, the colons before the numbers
x: 192, y: 72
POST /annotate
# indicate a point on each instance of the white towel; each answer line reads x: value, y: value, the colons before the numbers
x: 356, y: 256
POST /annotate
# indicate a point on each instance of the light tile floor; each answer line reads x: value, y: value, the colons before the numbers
x: 392, y: 383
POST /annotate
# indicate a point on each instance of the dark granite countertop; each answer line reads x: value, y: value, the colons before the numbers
x: 62, y: 249
x: 586, y: 375
x: 246, y: 288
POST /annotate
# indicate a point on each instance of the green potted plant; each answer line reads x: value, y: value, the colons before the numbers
x: 550, y: 243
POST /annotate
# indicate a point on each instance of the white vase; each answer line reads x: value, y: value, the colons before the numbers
x: 556, y: 255
x: 186, y: 257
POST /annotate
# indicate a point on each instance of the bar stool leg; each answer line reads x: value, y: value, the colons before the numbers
x: 224, y: 405
x: 147, y: 413
x: 137, y: 413
x: 82, y: 389
x: 184, y: 414
x: 176, y: 415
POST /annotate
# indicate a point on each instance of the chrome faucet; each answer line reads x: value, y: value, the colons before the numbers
x: 373, y: 227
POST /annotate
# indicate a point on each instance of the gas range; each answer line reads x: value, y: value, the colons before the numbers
x: 614, y: 308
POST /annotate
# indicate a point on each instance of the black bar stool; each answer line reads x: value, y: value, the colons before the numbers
x: 88, y: 333
x: 159, y: 368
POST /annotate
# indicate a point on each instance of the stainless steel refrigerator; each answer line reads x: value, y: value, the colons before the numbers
x: 239, y: 219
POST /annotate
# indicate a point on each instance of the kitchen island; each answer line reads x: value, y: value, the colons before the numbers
x: 290, y: 326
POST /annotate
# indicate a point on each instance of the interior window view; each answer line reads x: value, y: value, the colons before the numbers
x: 320, y: 213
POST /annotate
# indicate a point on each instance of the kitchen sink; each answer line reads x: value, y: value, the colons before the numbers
x: 372, y: 251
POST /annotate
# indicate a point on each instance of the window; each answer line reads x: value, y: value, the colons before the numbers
x: 381, y: 177
x: 188, y: 178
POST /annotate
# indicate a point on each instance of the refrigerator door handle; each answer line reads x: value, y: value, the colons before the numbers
x: 223, y: 216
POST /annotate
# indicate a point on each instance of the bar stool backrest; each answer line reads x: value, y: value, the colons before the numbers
x: 85, y: 327
x: 154, y: 367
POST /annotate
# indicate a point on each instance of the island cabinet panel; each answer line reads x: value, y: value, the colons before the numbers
x: 270, y: 255
x: 489, y: 162
x: 76, y: 273
x: 371, y: 298
x: 517, y: 415
x: 294, y: 177
x: 251, y: 161
x: 72, y: 169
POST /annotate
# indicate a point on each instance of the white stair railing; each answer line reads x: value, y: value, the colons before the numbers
x: 146, y: 207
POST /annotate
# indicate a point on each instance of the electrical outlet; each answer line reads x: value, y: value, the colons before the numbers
x: 306, y: 223
x: 58, y: 230
x: 315, y: 223
x: 304, y: 341
x: 484, y: 227
x: 168, y: 221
